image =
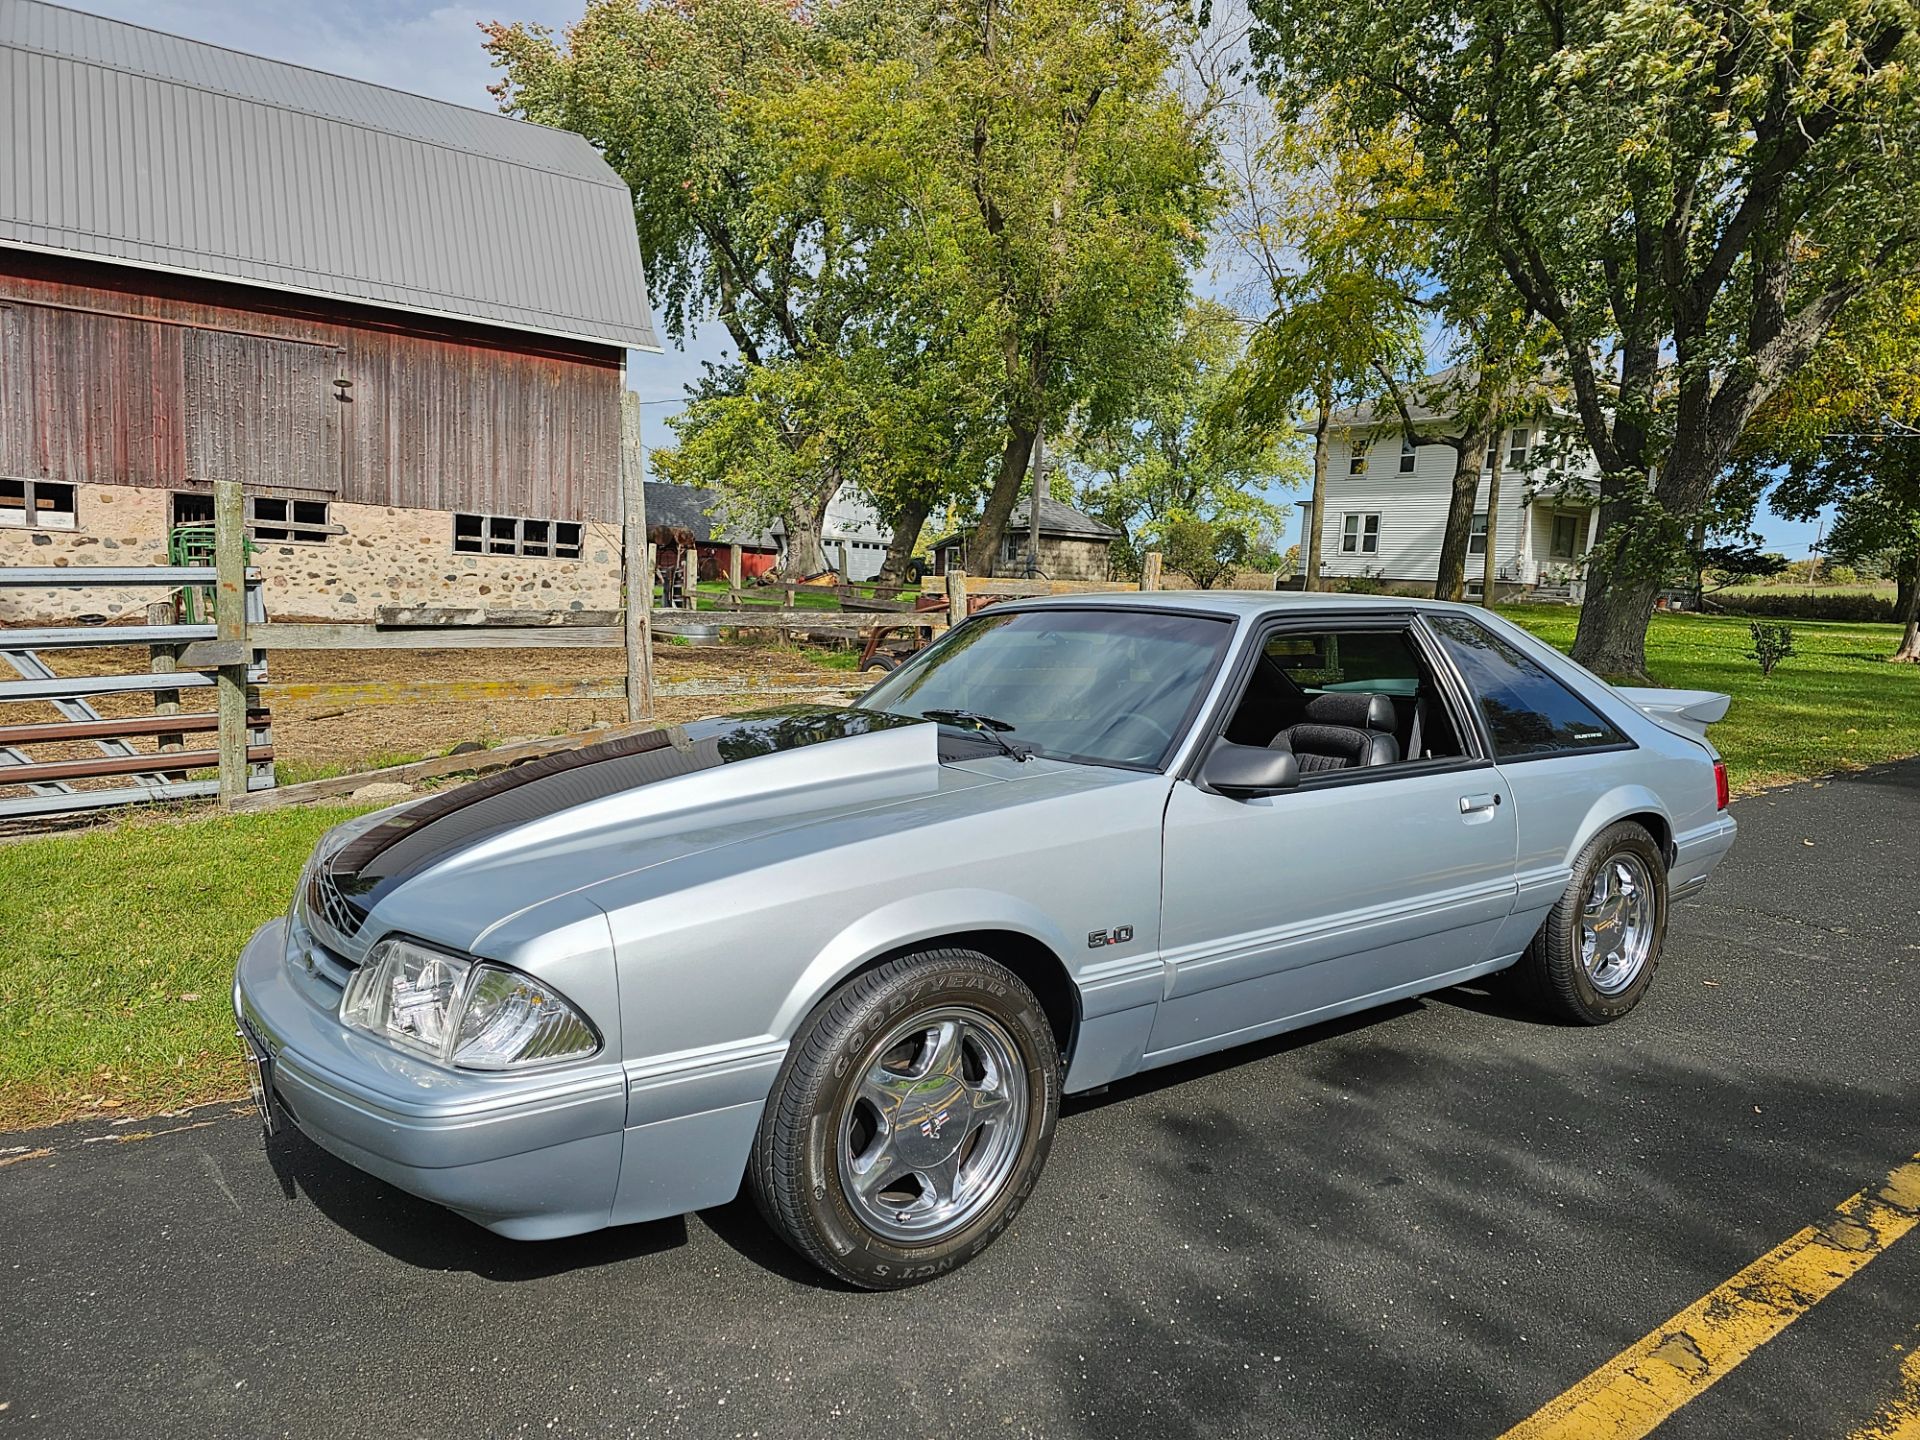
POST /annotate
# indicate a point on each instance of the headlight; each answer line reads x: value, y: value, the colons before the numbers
x: 470, y: 1013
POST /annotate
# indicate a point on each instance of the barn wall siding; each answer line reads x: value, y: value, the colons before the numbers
x: 134, y: 378
x: 385, y: 556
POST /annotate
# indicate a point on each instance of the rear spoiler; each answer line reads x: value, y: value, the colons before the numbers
x: 1691, y: 710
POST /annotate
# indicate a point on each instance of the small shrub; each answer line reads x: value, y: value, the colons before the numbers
x: 1771, y: 645
x: 1360, y: 585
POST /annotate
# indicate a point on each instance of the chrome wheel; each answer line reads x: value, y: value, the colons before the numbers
x: 931, y: 1129
x: 1617, y: 923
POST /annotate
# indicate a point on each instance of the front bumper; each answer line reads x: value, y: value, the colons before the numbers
x: 530, y: 1156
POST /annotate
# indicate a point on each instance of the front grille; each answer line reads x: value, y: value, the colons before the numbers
x: 328, y: 904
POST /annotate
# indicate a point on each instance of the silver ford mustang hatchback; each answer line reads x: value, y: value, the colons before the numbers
x: 856, y: 956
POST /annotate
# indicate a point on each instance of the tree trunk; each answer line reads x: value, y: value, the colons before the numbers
x: 1489, y: 565
x: 1470, y: 450
x: 983, y: 548
x: 1612, y: 638
x: 806, y: 555
x: 1317, y: 527
x: 1908, y: 611
x: 907, y: 522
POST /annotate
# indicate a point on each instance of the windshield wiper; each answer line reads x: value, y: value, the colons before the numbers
x: 992, y: 729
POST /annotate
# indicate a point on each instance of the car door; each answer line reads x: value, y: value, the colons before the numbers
x: 1356, y: 887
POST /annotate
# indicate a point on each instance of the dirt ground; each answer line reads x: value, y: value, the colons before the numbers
x: 314, y: 736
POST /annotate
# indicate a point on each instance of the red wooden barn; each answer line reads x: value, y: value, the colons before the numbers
x: 402, y: 324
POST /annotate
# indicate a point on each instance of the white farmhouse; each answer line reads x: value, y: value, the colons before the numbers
x: 1386, y: 503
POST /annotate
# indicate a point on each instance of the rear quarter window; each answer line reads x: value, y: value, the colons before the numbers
x: 1527, y: 709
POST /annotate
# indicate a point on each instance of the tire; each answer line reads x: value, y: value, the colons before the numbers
x: 851, y: 1173
x: 1596, y: 955
x: 880, y: 664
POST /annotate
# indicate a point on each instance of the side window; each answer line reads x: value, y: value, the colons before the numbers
x: 1529, y: 712
x: 1342, y: 699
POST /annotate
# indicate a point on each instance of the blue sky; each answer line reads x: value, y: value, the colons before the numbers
x: 435, y: 50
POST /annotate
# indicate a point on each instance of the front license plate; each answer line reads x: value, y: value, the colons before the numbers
x: 259, y: 1077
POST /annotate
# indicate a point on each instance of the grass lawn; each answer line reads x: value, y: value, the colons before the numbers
x: 117, y: 944
x: 1835, y: 704
x: 116, y: 954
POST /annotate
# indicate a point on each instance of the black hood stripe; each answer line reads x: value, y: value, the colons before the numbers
x: 443, y: 824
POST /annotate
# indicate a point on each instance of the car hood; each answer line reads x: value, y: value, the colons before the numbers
x: 456, y: 866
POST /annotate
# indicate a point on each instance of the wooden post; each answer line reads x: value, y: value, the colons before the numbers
x: 636, y: 563
x: 733, y: 572
x: 956, y: 596
x: 690, y: 576
x: 1150, y: 571
x: 846, y: 575
x: 163, y: 659
x: 230, y: 624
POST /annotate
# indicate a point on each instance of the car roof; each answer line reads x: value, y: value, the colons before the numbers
x: 1237, y: 603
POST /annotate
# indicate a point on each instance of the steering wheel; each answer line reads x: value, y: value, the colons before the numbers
x: 1158, y: 736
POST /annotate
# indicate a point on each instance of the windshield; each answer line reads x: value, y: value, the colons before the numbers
x: 1117, y: 687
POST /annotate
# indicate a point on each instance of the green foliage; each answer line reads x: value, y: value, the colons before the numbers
x: 1191, y: 455
x: 1205, y: 551
x: 1771, y: 644
x: 1687, y: 192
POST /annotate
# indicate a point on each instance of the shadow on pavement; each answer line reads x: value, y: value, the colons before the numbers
x: 1395, y: 1232
x: 419, y: 1233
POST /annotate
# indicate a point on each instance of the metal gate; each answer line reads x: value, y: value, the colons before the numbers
x: 208, y: 656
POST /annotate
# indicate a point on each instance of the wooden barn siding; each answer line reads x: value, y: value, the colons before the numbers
x: 439, y: 416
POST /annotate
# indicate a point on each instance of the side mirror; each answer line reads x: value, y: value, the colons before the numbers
x: 1240, y: 771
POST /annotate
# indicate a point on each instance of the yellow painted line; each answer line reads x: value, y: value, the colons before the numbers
x: 1899, y: 1419
x: 1645, y: 1383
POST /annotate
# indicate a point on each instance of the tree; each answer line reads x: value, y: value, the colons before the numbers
x: 1846, y: 433
x: 1687, y: 192
x: 1338, y: 289
x: 1205, y: 551
x: 1056, y: 186
x: 1191, y: 455
x: 676, y: 94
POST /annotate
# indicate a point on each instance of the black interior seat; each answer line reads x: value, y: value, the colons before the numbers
x: 1342, y: 730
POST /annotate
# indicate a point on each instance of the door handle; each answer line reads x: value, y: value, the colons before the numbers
x: 1478, y: 804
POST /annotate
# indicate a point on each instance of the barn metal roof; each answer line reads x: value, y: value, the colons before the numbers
x: 127, y: 145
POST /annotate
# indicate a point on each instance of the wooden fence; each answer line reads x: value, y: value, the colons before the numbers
x: 229, y: 656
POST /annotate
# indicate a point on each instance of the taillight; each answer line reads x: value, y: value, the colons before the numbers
x: 1721, y: 794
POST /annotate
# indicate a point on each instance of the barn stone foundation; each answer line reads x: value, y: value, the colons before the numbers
x: 385, y: 556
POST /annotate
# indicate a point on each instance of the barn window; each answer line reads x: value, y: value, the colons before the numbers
x: 272, y: 518
x: 515, y: 535
x: 38, y: 504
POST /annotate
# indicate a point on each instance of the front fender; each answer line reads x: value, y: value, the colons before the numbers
x: 906, y: 922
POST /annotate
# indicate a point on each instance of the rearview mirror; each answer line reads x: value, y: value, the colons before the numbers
x: 1241, y: 771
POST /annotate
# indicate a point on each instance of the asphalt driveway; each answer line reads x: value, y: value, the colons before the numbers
x: 1426, y: 1222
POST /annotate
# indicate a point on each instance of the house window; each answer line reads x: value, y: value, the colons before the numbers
x: 1408, y: 455
x: 275, y: 519
x: 1517, y: 449
x: 1477, y: 535
x: 1566, y: 537
x: 37, y: 504
x: 514, y: 535
x: 1357, y: 459
x: 1360, y: 535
